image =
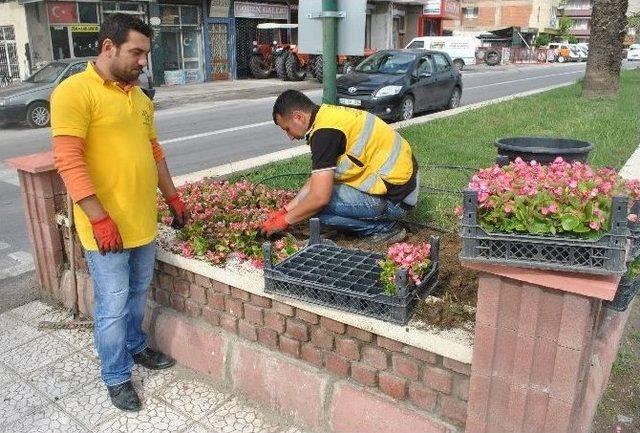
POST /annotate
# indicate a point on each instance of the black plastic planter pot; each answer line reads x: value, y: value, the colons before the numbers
x: 543, y: 149
x: 346, y: 279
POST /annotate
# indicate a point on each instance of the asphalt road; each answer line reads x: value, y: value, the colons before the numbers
x: 203, y: 135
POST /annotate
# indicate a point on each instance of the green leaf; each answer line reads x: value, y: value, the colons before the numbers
x: 569, y: 222
x: 539, y: 228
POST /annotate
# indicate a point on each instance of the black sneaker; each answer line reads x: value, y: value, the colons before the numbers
x: 153, y: 360
x: 125, y: 397
x: 396, y: 234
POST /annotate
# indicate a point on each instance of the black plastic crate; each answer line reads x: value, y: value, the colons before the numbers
x: 346, y: 279
x: 604, y: 256
x: 627, y: 290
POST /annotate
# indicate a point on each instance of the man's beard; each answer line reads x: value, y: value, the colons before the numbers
x: 125, y: 75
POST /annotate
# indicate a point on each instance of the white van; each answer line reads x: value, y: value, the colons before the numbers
x: 461, y: 49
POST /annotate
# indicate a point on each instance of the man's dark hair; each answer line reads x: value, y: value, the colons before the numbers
x: 116, y: 27
x: 292, y: 100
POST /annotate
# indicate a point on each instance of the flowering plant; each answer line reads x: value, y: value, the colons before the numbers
x: 225, y: 220
x: 415, y: 258
x: 561, y: 197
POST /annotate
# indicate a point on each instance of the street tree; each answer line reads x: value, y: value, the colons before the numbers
x: 608, y: 28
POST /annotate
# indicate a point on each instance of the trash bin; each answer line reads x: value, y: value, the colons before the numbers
x: 543, y: 149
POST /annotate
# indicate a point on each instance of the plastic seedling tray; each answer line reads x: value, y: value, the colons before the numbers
x: 347, y: 279
x: 605, y: 256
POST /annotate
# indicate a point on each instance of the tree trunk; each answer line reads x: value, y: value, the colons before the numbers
x: 608, y: 26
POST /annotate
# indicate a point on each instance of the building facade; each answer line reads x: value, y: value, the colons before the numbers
x: 479, y: 16
x: 194, y: 40
x: 580, y: 13
x: 14, y: 42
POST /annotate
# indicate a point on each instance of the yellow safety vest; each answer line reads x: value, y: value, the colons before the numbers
x: 375, y: 153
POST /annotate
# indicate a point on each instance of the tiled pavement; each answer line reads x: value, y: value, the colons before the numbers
x: 49, y: 383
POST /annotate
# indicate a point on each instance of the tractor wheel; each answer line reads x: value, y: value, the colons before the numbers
x: 492, y: 57
x: 317, y: 68
x: 294, y: 71
x: 458, y: 64
x: 259, y: 68
x: 281, y: 67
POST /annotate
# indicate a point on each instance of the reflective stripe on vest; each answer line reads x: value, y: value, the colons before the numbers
x: 344, y: 165
x: 385, y: 170
x: 364, y: 136
x: 369, y: 182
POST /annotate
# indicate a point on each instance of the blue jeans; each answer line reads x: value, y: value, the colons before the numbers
x: 120, y: 282
x: 360, y: 213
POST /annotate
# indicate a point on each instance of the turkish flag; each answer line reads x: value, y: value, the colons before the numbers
x: 62, y: 12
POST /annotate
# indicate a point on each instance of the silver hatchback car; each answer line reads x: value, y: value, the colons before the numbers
x: 28, y: 101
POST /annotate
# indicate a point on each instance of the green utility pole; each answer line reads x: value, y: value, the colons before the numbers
x: 329, y: 50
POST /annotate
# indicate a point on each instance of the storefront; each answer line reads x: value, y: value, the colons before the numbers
x: 180, y: 34
x: 73, y: 27
x: 247, y: 17
x: 434, y: 13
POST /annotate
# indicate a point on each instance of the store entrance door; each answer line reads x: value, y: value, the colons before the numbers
x: 60, y: 43
x: 171, y: 49
x: 220, y: 51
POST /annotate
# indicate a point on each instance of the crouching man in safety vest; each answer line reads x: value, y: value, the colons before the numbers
x: 364, y: 176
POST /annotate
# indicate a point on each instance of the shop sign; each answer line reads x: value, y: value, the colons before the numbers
x: 85, y: 28
x: 432, y: 7
x: 219, y: 8
x: 62, y: 12
x: 261, y: 10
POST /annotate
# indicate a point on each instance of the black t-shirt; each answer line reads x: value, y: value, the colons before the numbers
x: 327, y: 144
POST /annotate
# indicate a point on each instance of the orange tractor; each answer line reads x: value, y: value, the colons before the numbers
x: 284, y: 58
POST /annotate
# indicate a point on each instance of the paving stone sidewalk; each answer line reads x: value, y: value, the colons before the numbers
x: 50, y: 383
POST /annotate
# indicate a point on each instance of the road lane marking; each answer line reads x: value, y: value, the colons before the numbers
x: 216, y: 132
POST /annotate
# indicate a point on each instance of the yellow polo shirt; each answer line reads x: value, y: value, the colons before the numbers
x: 117, y: 126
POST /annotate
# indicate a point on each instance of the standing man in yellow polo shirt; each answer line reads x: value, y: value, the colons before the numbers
x: 106, y: 150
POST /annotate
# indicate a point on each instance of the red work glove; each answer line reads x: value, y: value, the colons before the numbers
x: 274, y: 225
x: 178, y: 210
x: 276, y: 213
x: 107, y: 235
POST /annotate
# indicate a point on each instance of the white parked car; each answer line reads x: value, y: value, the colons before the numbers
x: 634, y: 52
x: 461, y: 49
x: 579, y: 51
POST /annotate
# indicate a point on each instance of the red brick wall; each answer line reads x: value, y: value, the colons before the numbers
x: 486, y: 17
x: 421, y: 380
x: 515, y: 15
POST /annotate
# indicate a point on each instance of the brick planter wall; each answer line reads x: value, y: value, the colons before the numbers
x: 193, y: 317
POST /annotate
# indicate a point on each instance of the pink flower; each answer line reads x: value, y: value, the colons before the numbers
x: 508, y: 208
x: 632, y: 217
x: 594, y: 225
